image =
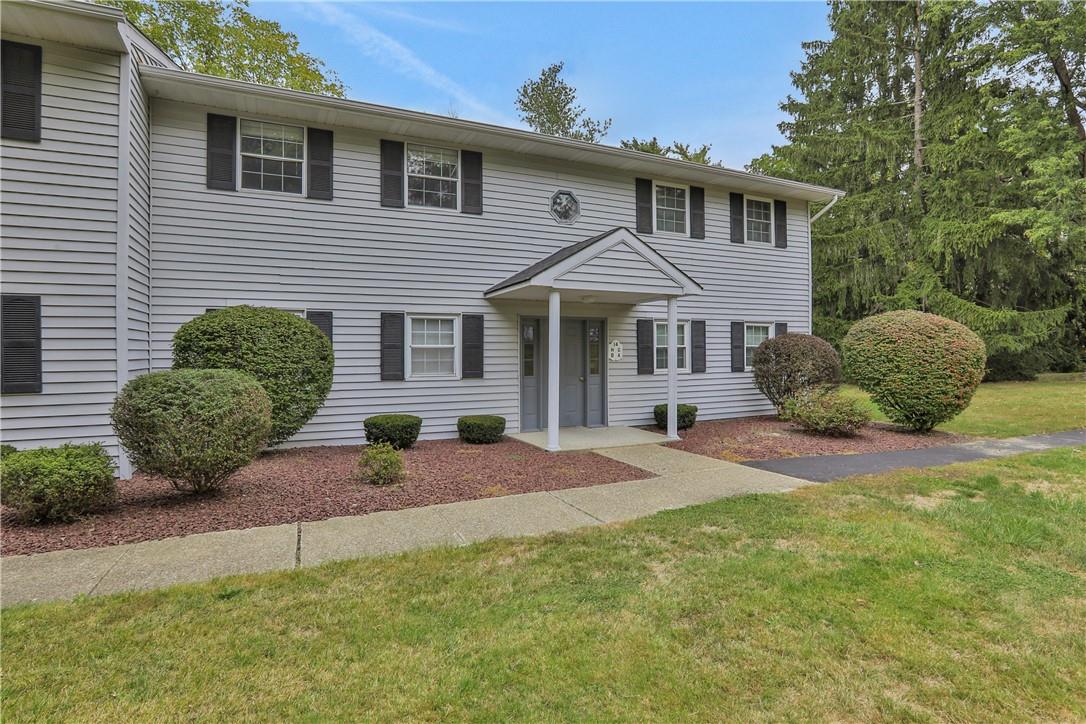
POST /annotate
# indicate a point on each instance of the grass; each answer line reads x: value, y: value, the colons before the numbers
x: 949, y: 594
x: 1051, y: 403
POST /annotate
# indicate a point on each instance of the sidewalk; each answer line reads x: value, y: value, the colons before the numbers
x: 684, y: 479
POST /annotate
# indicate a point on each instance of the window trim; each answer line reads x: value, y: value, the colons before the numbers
x: 772, y: 333
x: 772, y: 221
x: 687, y: 345
x: 239, y: 187
x: 407, y: 174
x: 457, y: 346
x: 655, y: 227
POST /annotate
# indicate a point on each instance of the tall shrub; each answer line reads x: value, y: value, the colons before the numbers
x: 788, y: 364
x: 920, y: 369
x: 287, y: 355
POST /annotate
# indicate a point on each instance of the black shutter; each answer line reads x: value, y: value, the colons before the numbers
x: 697, y: 212
x: 739, y: 347
x: 471, y: 361
x: 646, y: 348
x: 780, y: 328
x: 320, y: 165
x: 697, y: 345
x: 221, y: 145
x: 21, y: 109
x: 392, y: 174
x: 20, y: 339
x: 737, y: 213
x: 322, y: 320
x: 392, y: 330
x: 643, y: 196
x: 471, y: 178
x: 780, y: 224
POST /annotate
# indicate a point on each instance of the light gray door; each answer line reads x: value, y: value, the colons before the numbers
x: 595, y: 372
x: 531, y: 373
x: 571, y: 374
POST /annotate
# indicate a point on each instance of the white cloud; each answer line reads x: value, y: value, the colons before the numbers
x: 396, y: 13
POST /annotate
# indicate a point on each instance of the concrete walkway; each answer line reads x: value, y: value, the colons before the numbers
x: 684, y: 479
x: 823, y: 468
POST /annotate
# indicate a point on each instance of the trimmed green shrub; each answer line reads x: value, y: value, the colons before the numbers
x: 827, y: 412
x: 193, y: 427
x: 687, y: 414
x: 787, y: 364
x: 481, y: 429
x: 57, y: 484
x: 286, y: 354
x: 920, y: 369
x: 380, y: 464
x: 398, y: 430
x: 6, y: 450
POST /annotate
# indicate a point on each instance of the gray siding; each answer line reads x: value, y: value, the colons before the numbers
x: 139, y: 233
x: 622, y: 269
x: 59, y: 234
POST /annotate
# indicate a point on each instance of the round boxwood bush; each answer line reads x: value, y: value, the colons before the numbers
x: 920, y: 369
x: 399, y: 431
x: 286, y: 354
x: 193, y: 427
x: 380, y: 464
x: 481, y: 429
x: 687, y: 414
x: 826, y: 412
x: 57, y: 484
x: 787, y: 364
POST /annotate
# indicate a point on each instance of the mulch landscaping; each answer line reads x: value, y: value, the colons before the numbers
x: 315, y: 483
x: 767, y: 438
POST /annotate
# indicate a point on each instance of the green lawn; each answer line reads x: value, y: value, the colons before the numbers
x: 1051, y: 403
x: 953, y: 594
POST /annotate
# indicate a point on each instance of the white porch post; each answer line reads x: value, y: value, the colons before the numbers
x: 554, y: 326
x: 672, y: 368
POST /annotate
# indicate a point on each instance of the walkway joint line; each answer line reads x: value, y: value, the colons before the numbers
x: 571, y: 505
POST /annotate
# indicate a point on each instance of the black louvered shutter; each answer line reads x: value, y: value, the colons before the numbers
x: 697, y: 345
x: 21, y: 109
x: 646, y: 349
x: 322, y: 321
x: 320, y: 164
x: 392, y: 335
x: 471, y: 178
x: 736, y: 213
x: 780, y: 328
x: 643, y: 198
x: 739, y: 347
x: 221, y: 144
x: 20, y: 330
x: 697, y: 212
x: 471, y: 361
x: 392, y: 174
x: 780, y: 224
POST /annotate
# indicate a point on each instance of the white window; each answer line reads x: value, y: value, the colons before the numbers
x: 433, y: 177
x: 683, y: 347
x: 272, y: 156
x: 432, y: 344
x: 759, y: 220
x: 755, y: 335
x: 671, y: 208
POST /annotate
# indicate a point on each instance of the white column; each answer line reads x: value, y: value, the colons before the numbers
x: 672, y: 368
x: 554, y: 326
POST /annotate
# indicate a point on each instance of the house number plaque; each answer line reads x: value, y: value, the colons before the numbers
x: 614, y: 350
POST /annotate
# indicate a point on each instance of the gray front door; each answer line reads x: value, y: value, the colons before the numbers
x: 571, y: 374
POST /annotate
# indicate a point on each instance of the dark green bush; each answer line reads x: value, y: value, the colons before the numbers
x: 193, y: 427
x: 919, y: 369
x: 6, y: 450
x: 286, y: 354
x: 687, y: 414
x: 380, y: 464
x: 787, y: 364
x: 57, y: 484
x: 399, y: 431
x: 481, y: 429
x: 827, y: 412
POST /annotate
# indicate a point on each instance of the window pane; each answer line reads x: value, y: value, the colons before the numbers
x: 756, y: 334
x: 432, y: 361
x: 263, y: 146
x: 682, y: 358
x: 250, y: 180
x: 661, y: 358
x: 661, y: 334
x: 529, y: 360
x: 671, y: 209
x: 759, y: 220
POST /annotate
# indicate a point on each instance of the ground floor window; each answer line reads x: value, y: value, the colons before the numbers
x: 755, y: 335
x: 431, y: 348
x: 683, y: 347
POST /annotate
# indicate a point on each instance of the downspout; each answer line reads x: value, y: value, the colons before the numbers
x: 124, y: 152
x: 824, y: 209
x: 810, y: 258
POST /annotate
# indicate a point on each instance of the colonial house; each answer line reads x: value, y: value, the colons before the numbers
x: 458, y: 267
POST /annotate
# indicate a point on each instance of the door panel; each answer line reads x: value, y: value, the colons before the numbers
x: 571, y: 395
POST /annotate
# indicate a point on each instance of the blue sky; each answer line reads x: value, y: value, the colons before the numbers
x: 693, y: 72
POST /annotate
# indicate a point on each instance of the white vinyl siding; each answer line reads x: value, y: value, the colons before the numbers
x: 660, y: 358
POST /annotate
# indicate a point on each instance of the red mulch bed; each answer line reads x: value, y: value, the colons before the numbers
x: 314, y: 483
x: 766, y: 438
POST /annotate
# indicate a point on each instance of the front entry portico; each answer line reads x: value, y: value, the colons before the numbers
x: 616, y: 267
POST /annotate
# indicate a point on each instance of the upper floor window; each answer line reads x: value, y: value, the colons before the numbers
x: 671, y: 208
x: 433, y: 176
x: 272, y: 156
x: 683, y: 361
x: 759, y: 220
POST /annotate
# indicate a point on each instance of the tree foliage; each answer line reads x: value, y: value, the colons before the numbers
x: 223, y: 38
x: 677, y: 150
x: 549, y: 105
